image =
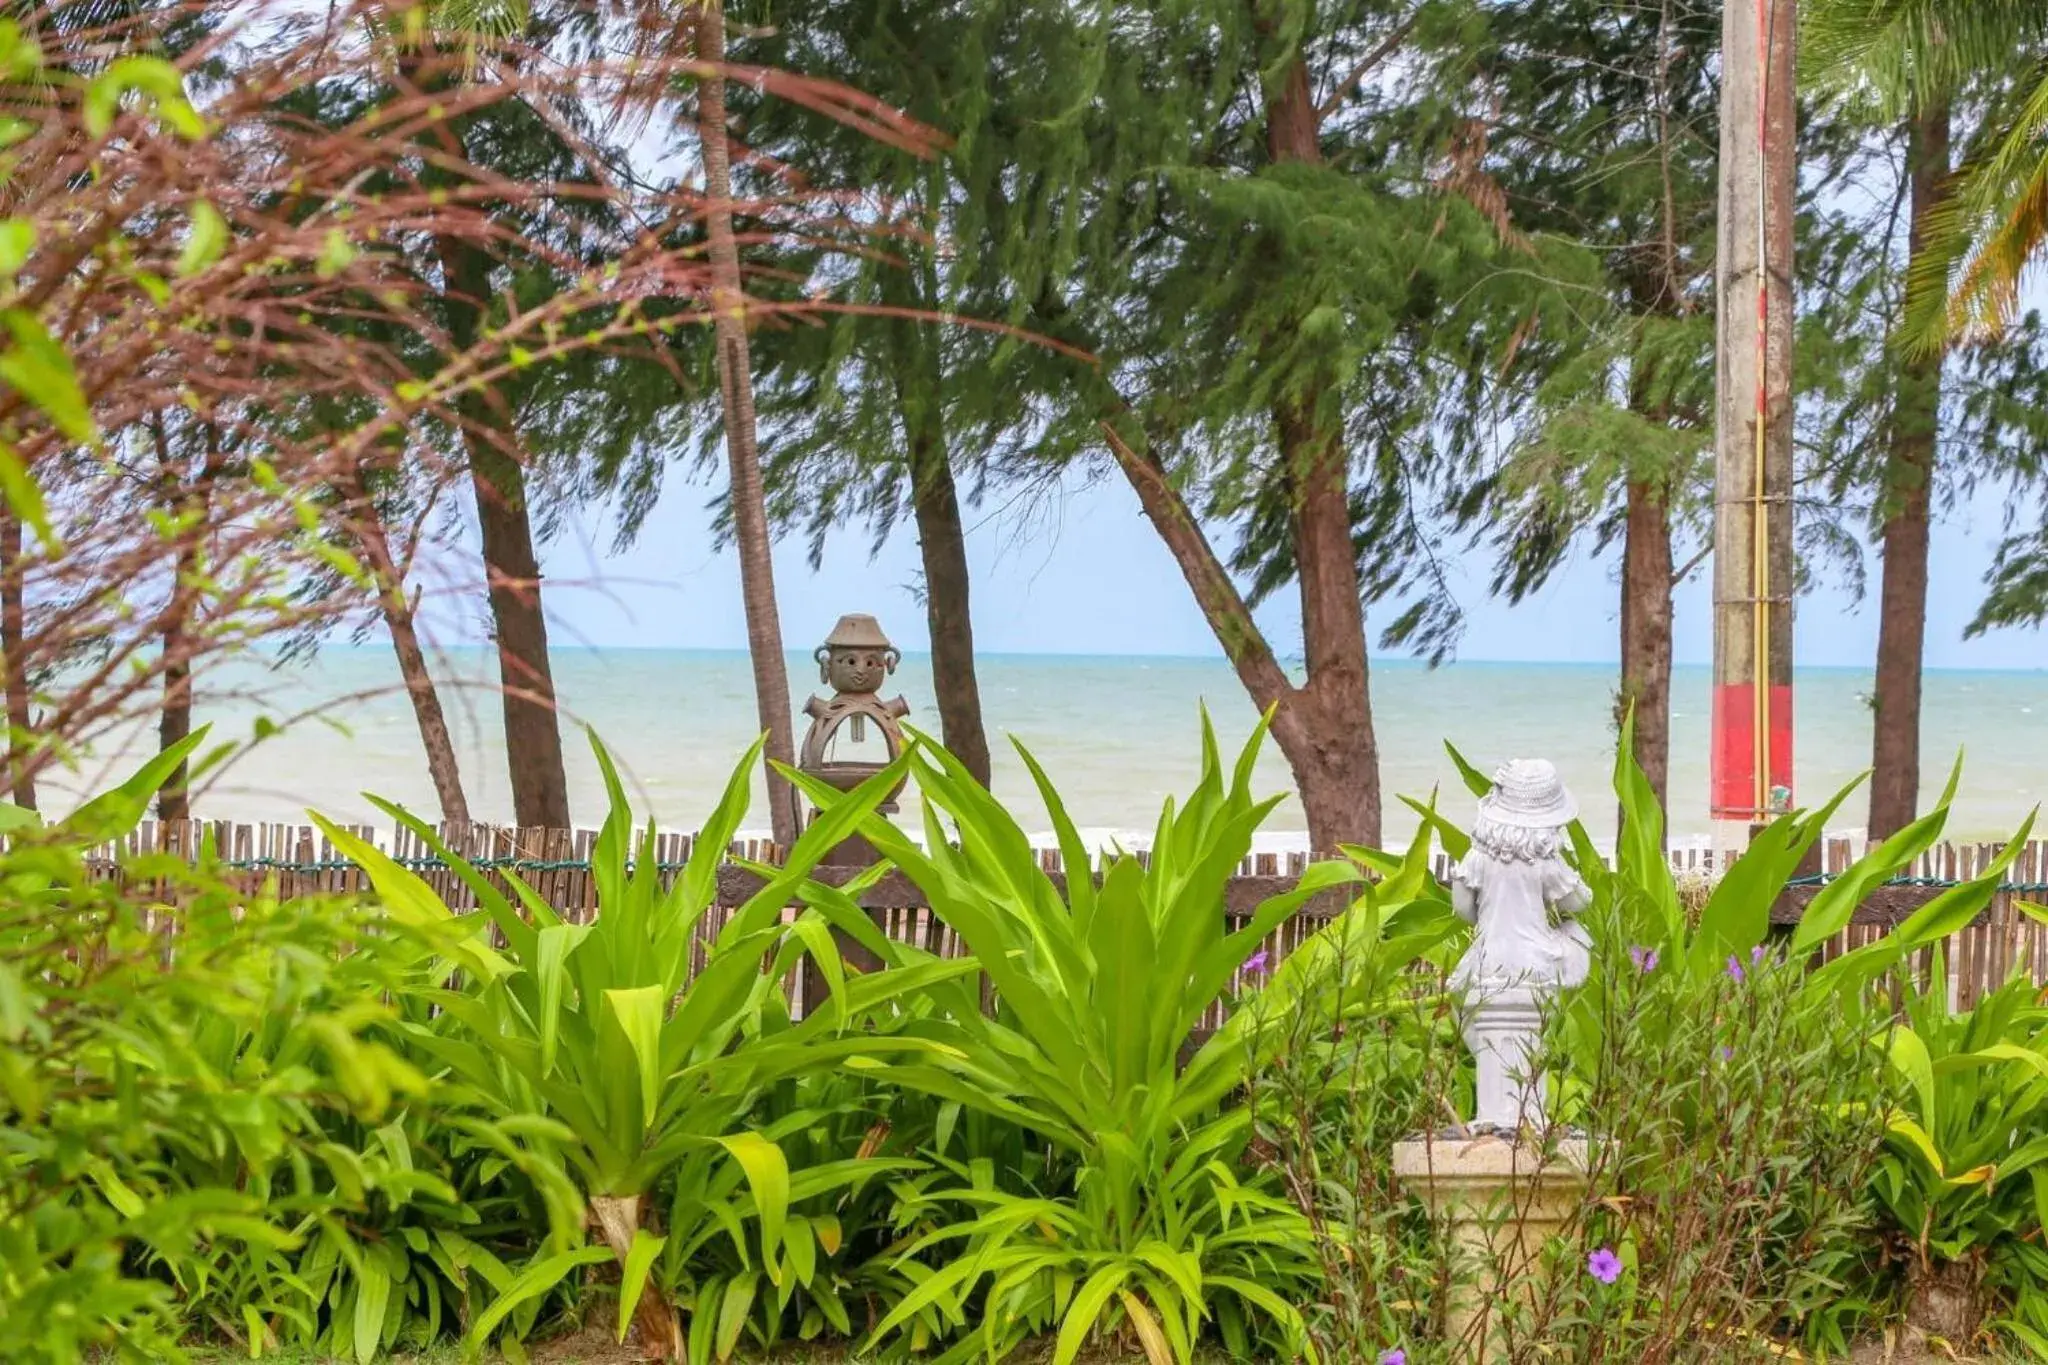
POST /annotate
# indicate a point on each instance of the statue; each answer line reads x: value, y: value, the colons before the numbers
x: 855, y: 660
x: 1518, y: 893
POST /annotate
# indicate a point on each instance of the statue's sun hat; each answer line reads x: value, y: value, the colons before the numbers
x: 1528, y: 794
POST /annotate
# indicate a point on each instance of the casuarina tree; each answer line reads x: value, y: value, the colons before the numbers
x: 1284, y: 287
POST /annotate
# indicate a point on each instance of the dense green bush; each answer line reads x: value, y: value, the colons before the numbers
x: 1101, y: 983
x: 179, y: 1055
x: 1962, y: 1187
x: 599, y: 1043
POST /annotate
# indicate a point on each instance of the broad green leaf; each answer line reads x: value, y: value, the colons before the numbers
x: 1738, y: 913
x: 1455, y: 841
x: 532, y: 1282
x: 17, y: 240
x: 25, y: 498
x: 154, y: 77
x: 800, y: 1250
x: 407, y: 898
x: 114, y: 813
x: 125, y: 1201
x: 1910, y: 1059
x: 1086, y: 1309
x: 638, y: 1012
x: 633, y: 1276
x: 732, y: 1313
x: 1992, y: 1054
x: 207, y: 240
x: 15, y: 818
x: 40, y: 370
x: 1956, y: 907
x: 372, y: 1295
x: 1831, y: 909
x: 767, y: 1175
x: 1640, y: 863
x: 1476, y: 782
x: 552, y: 947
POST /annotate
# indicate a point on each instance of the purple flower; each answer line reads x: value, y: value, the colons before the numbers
x: 1644, y: 958
x: 1727, y: 1054
x: 1397, y: 1356
x: 1255, y: 965
x: 1756, y: 955
x: 1604, y: 1266
x: 1735, y: 968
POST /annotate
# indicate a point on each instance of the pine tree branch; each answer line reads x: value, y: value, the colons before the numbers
x: 1372, y: 59
x: 1700, y: 557
x: 1223, y: 606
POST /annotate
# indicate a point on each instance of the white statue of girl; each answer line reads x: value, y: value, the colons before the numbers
x: 1517, y: 891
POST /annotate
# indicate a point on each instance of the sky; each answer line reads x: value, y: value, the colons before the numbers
x: 1083, y: 573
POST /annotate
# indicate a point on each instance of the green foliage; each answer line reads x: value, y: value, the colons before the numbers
x: 599, y: 1043
x: 1369, y: 1056
x: 159, y: 1046
x: 355, y: 1130
x: 1101, y: 986
x: 1733, y: 1127
x: 1962, y: 1188
x: 1893, y: 58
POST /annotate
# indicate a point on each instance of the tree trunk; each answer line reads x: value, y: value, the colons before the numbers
x: 736, y: 390
x: 1324, y: 727
x: 1336, y: 759
x: 173, y: 799
x: 935, y: 502
x: 1329, y: 773
x: 400, y: 618
x: 1902, y: 610
x: 1646, y: 632
x: 942, y: 545
x: 174, y: 724
x: 14, y: 659
x: 533, y: 736
x: 1947, y: 1300
x: 618, y: 1218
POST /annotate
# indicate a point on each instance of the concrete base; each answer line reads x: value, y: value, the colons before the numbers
x: 1502, y: 1199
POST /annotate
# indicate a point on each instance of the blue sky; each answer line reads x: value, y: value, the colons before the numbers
x: 1083, y: 573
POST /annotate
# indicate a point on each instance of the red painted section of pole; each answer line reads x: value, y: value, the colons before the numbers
x: 1733, y: 763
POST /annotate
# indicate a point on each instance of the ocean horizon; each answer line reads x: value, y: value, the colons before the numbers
x: 1117, y: 734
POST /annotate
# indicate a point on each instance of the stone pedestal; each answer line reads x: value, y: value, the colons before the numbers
x: 1502, y: 1200
x: 1501, y: 1026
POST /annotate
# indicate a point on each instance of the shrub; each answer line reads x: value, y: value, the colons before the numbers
x: 164, y: 1033
x: 1962, y: 1187
x: 598, y: 1042
x: 1100, y: 988
x: 1369, y: 1056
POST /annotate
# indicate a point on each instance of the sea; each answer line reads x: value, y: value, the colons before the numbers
x: 1118, y: 736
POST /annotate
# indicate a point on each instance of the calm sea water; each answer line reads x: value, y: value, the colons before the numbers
x: 1117, y: 734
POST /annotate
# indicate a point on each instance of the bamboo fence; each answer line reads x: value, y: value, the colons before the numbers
x: 555, y: 863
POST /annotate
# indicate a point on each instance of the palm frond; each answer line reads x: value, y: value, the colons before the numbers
x: 1903, y: 54
x: 1992, y: 226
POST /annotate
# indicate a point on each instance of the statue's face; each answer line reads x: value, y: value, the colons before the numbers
x: 857, y: 670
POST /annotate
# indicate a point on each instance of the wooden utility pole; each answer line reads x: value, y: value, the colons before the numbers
x: 1753, y: 564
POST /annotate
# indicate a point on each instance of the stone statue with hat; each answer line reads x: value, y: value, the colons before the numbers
x: 1520, y: 895
x: 1516, y: 889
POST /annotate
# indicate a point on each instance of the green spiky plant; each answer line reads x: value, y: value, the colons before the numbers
x: 599, y: 1038
x: 1101, y: 987
x: 1963, y: 1186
